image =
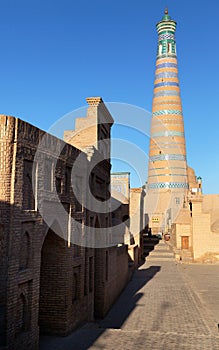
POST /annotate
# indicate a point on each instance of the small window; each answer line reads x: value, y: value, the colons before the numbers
x: 177, y: 200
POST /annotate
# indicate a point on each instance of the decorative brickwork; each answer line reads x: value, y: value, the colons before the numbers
x: 47, y: 283
x: 167, y: 142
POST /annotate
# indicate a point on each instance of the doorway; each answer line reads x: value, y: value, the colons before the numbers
x: 185, y: 242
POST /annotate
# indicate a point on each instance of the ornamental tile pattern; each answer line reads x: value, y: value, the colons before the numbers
x: 166, y: 36
x: 158, y: 185
x: 167, y: 157
x: 166, y: 83
x: 166, y: 75
x: 155, y: 175
x: 166, y: 65
x: 167, y: 111
x: 166, y: 93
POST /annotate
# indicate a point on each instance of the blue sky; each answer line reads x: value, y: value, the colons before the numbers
x: 56, y: 53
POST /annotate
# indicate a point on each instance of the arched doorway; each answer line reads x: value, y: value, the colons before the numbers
x: 53, y: 285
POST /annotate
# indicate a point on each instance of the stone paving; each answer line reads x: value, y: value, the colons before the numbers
x: 159, y: 309
x: 204, y: 280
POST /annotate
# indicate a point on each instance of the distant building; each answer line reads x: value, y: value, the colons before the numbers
x: 129, y: 213
x: 120, y: 199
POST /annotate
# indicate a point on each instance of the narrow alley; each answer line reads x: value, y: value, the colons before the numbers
x: 166, y: 305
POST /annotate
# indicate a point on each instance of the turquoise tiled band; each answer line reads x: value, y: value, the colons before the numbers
x: 166, y: 83
x: 167, y: 157
x: 166, y: 93
x: 166, y: 65
x: 166, y: 75
x: 168, y: 185
x: 167, y: 111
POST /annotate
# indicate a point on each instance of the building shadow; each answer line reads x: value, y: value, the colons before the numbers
x: 129, y: 299
x: 86, y: 336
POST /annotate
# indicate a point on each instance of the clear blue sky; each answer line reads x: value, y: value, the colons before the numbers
x: 56, y: 53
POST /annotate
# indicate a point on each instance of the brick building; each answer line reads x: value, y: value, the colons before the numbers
x: 52, y: 276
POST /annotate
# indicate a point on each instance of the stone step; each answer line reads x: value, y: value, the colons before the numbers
x: 159, y: 258
x: 161, y: 253
x: 187, y: 260
x: 161, y: 247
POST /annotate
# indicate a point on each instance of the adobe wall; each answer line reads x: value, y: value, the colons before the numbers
x: 180, y: 231
x: 204, y: 240
x: 136, y: 214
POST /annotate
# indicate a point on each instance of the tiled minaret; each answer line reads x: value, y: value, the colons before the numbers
x: 167, y: 169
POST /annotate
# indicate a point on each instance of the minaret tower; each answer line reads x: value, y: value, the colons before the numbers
x: 167, y: 169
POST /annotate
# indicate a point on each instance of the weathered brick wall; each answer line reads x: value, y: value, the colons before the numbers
x: 22, y: 240
x: 45, y: 276
x: 111, y: 277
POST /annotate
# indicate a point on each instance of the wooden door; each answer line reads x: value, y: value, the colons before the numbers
x: 185, y: 242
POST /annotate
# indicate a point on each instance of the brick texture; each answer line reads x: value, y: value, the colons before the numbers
x: 48, y: 284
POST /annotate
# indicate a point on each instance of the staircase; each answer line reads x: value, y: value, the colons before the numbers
x: 161, y: 252
x: 183, y: 255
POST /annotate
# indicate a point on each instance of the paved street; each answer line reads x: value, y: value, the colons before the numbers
x: 166, y: 305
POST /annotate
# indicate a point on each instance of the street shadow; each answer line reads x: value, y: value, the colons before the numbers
x: 129, y: 299
x: 85, y: 337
